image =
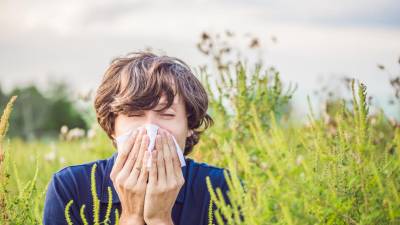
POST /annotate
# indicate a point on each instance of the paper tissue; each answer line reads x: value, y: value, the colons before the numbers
x: 151, y: 132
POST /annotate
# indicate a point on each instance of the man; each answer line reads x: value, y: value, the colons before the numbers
x: 137, y: 90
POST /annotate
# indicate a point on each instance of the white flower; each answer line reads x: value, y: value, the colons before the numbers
x: 51, y: 156
x: 64, y: 130
x: 264, y: 166
x: 62, y: 160
x: 299, y: 160
x: 91, y: 133
x: 75, y: 133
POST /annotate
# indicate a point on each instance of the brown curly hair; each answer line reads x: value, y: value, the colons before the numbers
x: 138, y: 80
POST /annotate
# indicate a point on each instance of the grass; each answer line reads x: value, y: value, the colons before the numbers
x: 341, y: 167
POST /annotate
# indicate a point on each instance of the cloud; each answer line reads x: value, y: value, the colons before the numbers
x: 339, y: 12
x: 145, y: 16
x: 110, y: 11
x: 76, y: 39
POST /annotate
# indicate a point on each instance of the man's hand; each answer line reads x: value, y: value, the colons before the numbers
x: 129, y: 176
x: 165, y: 181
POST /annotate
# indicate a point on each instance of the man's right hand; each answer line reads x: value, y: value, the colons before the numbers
x: 129, y: 176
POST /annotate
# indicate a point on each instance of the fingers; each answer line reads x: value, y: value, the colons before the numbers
x: 127, y: 168
x: 161, y: 176
x: 122, y: 156
x: 144, y: 173
x: 143, y: 147
x: 137, y: 169
x: 153, y: 169
x: 154, y: 165
x: 169, y: 167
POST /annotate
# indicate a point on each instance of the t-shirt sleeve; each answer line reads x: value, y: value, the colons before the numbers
x: 57, y: 197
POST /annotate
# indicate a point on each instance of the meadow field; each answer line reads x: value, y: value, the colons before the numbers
x: 341, y: 166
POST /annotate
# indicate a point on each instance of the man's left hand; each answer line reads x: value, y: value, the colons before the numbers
x: 165, y: 181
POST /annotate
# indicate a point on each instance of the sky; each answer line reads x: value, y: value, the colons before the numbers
x: 318, y: 42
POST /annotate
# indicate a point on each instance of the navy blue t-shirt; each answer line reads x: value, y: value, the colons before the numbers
x: 73, y: 182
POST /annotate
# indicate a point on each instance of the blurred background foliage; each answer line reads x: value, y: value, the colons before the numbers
x: 40, y: 114
x: 341, y: 165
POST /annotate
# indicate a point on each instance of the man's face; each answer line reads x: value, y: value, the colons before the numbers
x: 172, y: 119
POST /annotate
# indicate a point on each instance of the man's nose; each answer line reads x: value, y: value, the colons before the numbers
x: 151, y: 117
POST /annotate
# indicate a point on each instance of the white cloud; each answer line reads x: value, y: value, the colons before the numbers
x: 76, y: 39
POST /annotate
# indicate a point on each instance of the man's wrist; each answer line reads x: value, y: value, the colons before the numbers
x: 130, y: 220
x: 160, y: 222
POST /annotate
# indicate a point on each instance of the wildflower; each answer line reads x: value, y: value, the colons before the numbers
x: 62, y: 160
x: 91, y: 133
x: 75, y: 134
x: 51, y: 156
x: 63, y: 132
x: 264, y: 166
x: 253, y: 158
x: 299, y: 160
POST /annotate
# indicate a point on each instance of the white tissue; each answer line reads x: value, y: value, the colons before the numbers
x: 151, y: 132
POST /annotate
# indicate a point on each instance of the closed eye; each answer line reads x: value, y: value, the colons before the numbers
x: 134, y: 115
x: 139, y: 115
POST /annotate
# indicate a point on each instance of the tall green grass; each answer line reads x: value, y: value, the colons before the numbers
x: 323, y: 173
x: 340, y: 167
